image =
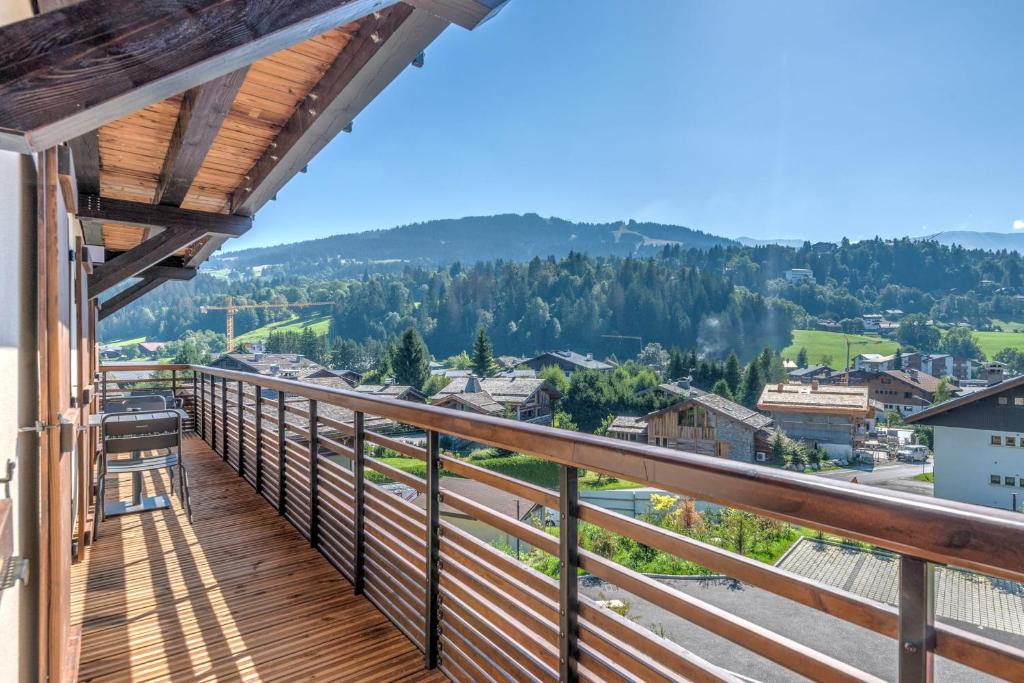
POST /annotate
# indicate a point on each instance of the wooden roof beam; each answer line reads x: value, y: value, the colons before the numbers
x: 202, y: 112
x: 379, y: 51
x: 126, y: 296
x: 105, y: 210
x: 106, y: 59
x: 466, y: 13
x: 134, y: 261
x: 169, y: 272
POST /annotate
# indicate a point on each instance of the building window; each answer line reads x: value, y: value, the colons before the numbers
x: 1018, y: 401
x: 1011, y: 441
x: 994, y: 479
x: 1003, y: 400
x: 1010, y: 481
x: 997, y: 441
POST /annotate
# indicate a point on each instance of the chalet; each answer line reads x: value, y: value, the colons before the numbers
x: 399, y: 392
x: 288, y: 365
x: 835, y: 417
x: 707, y: 424
x: 675, y: 390
x: 149, y: 348
x: 811, y: 372
x: 903, y: 391
x: 979, y: 445
x: 568, y: 361
x: 508, y: 362
x: 525, y: 398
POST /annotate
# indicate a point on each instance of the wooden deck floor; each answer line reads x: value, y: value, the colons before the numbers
x: 237, y: 596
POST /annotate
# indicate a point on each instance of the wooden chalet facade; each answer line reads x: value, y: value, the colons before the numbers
x: 527, y: 399
x: 706, y: 424
x: 835, y: 417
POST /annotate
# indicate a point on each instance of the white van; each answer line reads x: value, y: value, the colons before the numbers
x: 913, y: 453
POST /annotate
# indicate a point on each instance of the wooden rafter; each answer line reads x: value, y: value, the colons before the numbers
x: 383, y: 46
x: 199, y: 120
x: 149, y: 253
x: 466, y: 13
x: 169, y: 272
x: 103, y: 62
x: 126, y: 296
x: 104, y: 210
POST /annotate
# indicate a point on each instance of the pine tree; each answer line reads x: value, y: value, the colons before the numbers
x: 751, y: 385
x: 411, y: 363
x: 676, y: 365
x: 722, y: 389
x: 898, y: 360
x: 733, y: 372
x: 483, y: 355
x: 801, y: 358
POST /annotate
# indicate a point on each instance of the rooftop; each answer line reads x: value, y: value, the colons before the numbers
x: 820, y: 398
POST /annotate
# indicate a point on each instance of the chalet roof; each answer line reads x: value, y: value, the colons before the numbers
x: 814, y: 398
x: 966, y: 399
x: 809, y: 370
x: 917, y: 378
x: 178, y: 138
x: 263, y: 363
x: 680, y: 387
x: 723, y: 406
x: 152, y: 347
x: 399, y: 391
x: 477, y: 401
x: 627, y: 424
x: 509, y: 362
x: 577, y: 359
x: 512, y: 390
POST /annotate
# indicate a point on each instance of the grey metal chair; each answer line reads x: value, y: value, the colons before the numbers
x: 135, y: 403
x: 136, y: 432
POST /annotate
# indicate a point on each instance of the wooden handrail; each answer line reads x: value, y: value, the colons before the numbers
x: 917, y: 527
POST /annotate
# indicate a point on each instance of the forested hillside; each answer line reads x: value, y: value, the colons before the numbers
x: 508, y: 237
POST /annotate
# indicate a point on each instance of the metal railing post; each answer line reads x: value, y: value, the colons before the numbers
x: 201, y: 406
x: 917, y: 620
x: 282, y: 457
x: 568, y: 579
x: 174, y: 383
x: 432, y: 633
x: 195, y: 401
x: 258, y: 407
x: 213, y: 413
x: 224, y: 417
x: 358, y: 500
x: 241, y: 430
x: 314, y: 448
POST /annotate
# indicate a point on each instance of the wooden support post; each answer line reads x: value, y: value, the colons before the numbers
x: 917, y: 620
x: 314, y: 456
x: 282, y: 456
x: 241, y: 430
x: 432, y: 633
x: 568, y: 582
x: 103, y: 406
x: 358, y: 500
x: 174, y: 384
x: 259, y: 439
x: 224, y: 418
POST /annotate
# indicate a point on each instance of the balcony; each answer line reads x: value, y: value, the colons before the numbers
x: 323, y: 573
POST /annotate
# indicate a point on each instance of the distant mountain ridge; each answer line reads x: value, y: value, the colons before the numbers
x: 510, y: 237
x: 989, y: 241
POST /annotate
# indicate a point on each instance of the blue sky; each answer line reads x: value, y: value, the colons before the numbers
x: 803, y: 119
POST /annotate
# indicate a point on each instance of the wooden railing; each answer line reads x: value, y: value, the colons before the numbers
x: 478, y: 613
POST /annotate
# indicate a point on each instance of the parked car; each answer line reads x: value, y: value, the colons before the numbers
x: 913, y: 453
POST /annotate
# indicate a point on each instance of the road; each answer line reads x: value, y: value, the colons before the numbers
x: 879, y: 473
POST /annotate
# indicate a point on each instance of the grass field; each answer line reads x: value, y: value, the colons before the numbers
x: 319, y: 322
x: 125, y: 342
x: 833, y: 345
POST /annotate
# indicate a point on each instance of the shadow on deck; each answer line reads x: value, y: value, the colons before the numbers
x: 238, y: 595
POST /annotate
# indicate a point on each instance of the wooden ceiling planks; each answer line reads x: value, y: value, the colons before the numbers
x: 272, y: 89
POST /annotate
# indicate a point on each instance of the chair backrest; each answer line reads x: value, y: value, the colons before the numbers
x: 141, y: 431
x: 129, y: 403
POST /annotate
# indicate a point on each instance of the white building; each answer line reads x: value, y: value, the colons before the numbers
x: 799, y: 275
x: 979, y: 445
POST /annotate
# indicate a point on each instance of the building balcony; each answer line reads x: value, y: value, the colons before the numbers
x: 322, y: 573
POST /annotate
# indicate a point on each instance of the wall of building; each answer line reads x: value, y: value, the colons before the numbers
x: 834, y: 433
x: 19, y: 406
x: 739, y: 437
x: 965, y: 461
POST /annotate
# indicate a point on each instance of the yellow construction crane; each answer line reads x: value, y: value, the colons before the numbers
x: 230, y: 307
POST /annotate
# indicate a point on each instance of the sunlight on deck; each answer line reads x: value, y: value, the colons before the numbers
x: 239, y: 595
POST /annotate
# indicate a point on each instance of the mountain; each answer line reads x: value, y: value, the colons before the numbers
x: 989, y: 241
x: 753, y: 242
x: 510, y: 237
